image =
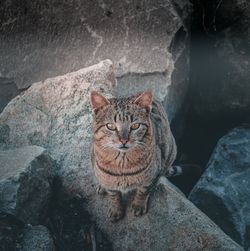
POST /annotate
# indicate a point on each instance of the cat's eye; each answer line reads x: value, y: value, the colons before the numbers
x: 135, y: 126
x: 111, y: 126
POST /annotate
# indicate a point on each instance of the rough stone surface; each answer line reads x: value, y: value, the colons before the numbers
x: 57, y: 114
x: 25, y: 175
x: 172, y: 223
x: 223, y: 191
x: 221, y: 59
x: 37, y: 238
x: 71, y: 225
x: 147, y: 40
x: 10, y: 230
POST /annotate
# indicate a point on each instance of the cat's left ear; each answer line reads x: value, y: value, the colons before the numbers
x: 145, y: 100
x: 97, y: 100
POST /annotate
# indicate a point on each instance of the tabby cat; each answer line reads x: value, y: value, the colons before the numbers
x: 132, y: 147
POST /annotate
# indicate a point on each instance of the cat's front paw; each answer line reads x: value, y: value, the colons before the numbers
x: 116, y: 214
x: 139, y: 209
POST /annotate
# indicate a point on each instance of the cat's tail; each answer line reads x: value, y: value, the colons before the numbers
x: 181, y: 169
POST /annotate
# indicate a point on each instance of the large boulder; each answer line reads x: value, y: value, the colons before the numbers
x: 10, y: 231
x: 223, y: 191
x: 37, y: 238
x: 25, y: 176
x: 70, y: 223
x: 146, y: 40
x: 56, y: 113
x: 172, y: 223
x: 221, y: 59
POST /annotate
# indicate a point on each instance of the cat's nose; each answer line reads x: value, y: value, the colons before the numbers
x: 124, y: 141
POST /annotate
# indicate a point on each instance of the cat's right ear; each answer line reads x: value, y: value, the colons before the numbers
x: 145, y: 100
x: 97, y: 100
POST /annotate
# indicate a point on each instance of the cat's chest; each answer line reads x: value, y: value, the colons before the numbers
x: 123, y: 174
x: 126, y: 179
x: 122, y: 163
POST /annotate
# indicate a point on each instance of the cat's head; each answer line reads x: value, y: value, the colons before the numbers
x: 122, y: 124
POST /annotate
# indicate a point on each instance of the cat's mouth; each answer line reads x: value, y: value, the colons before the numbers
x: 123, y: 147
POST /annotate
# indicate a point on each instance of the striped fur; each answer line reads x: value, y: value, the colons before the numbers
x: 125, y: 157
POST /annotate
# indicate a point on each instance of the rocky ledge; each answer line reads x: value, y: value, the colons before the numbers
x: 56, y: 114
x: 226, y: 186
x: 26, y: 174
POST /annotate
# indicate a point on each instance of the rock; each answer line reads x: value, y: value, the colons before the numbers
x: 221, y: 59
x: 8, y: 90
x: 147, y: 41
x: 172, y: 223
x: 10, y: 231
x: 25, y: 175
x: 4, y: 135
x: 71, y: 225
x: 223, y: 190
x: 56, y: 113
x: 37, y: 238
x: 15, y: 235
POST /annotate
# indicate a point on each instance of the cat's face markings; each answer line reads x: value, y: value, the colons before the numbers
x: 122, y: 124
x: 125, y: 131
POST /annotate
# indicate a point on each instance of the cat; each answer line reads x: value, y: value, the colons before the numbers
x: 132, y: 147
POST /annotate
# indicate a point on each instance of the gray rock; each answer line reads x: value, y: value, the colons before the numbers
x: 223, y: 191
x: 25, y: 175
x: 147, y: 41
x: 10, y: 230
x: 172, y: 223
x: 4, y: 135
x: 56, y: 113
x: 37, y: 238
